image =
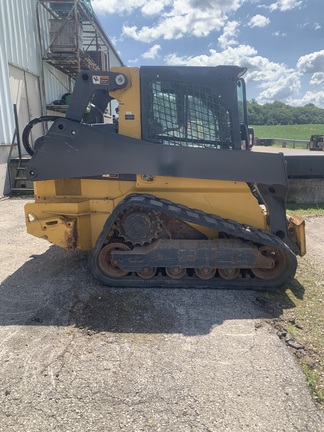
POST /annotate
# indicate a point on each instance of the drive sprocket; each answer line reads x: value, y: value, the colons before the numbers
x: 138, y: 226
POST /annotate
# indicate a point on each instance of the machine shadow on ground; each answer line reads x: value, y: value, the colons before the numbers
x: 57, y: 289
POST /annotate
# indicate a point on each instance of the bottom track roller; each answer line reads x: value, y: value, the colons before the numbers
x: 205, y: 273
x: 229, y: 273
x: 147, y: 273
x: 175, y: 272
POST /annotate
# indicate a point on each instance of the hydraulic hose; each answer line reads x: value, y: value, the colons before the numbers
x: 26, y: 132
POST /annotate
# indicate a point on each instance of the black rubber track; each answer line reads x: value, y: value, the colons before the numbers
x: 229, y: 227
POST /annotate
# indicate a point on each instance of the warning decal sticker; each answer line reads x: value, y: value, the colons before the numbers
x: 100, y: 79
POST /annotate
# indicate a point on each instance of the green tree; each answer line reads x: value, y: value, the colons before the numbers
x: 278, y: 113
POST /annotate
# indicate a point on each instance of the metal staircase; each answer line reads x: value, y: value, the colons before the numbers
x: 19, y: 184
x: 77, y: 40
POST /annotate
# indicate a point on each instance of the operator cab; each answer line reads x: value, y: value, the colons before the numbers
x: 195, y: 107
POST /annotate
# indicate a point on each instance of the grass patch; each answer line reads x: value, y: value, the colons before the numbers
x: 297, y: 132
x: 305, y: 210
x: 300, y: 322
x: 313, y: 379
x: 294, y: 331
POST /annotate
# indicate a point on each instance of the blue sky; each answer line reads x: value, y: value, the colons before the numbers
x: 281, y: 42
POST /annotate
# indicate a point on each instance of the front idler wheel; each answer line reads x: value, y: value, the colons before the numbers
x: 279, y: 261
x: 107, y: 264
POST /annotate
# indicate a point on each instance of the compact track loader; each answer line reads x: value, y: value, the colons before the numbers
x: 171, y: 195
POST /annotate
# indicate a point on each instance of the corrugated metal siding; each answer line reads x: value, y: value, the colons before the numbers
x: 19, y: 46
x: 6, y: 111
x: 56, y: 83
x: 44, y: 28
x: 20, y: 28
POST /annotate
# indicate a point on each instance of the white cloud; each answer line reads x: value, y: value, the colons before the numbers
x: 168, y: 29
x: 284, y: 87
x: 151, y: 7
x: 229, y: 36
x: 135, y: 60
x: 317, y: 79
x: 311, y: 63
x: 303, y: 25
x: 117, y: 6
x: 154, y: 7
x: 175, y: 27
x: 276, y: 80
x: 166, y: 7
x: 312, y: 25
x: 152, y: 53
x: 231, y: 55
x: 316, y: 98
x: 259, y: 21
x: 173, y: 19
x: 284, y: 5
x: 279, y: 34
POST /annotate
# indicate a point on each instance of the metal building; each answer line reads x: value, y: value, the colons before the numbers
x: 43, y: 44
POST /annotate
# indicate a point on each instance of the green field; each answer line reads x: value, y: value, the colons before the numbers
x: 297, y: 132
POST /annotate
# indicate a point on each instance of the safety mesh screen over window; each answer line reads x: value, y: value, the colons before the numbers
x: 187, y: 114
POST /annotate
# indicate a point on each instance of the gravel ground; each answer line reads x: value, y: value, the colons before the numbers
x: 76, y: 356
